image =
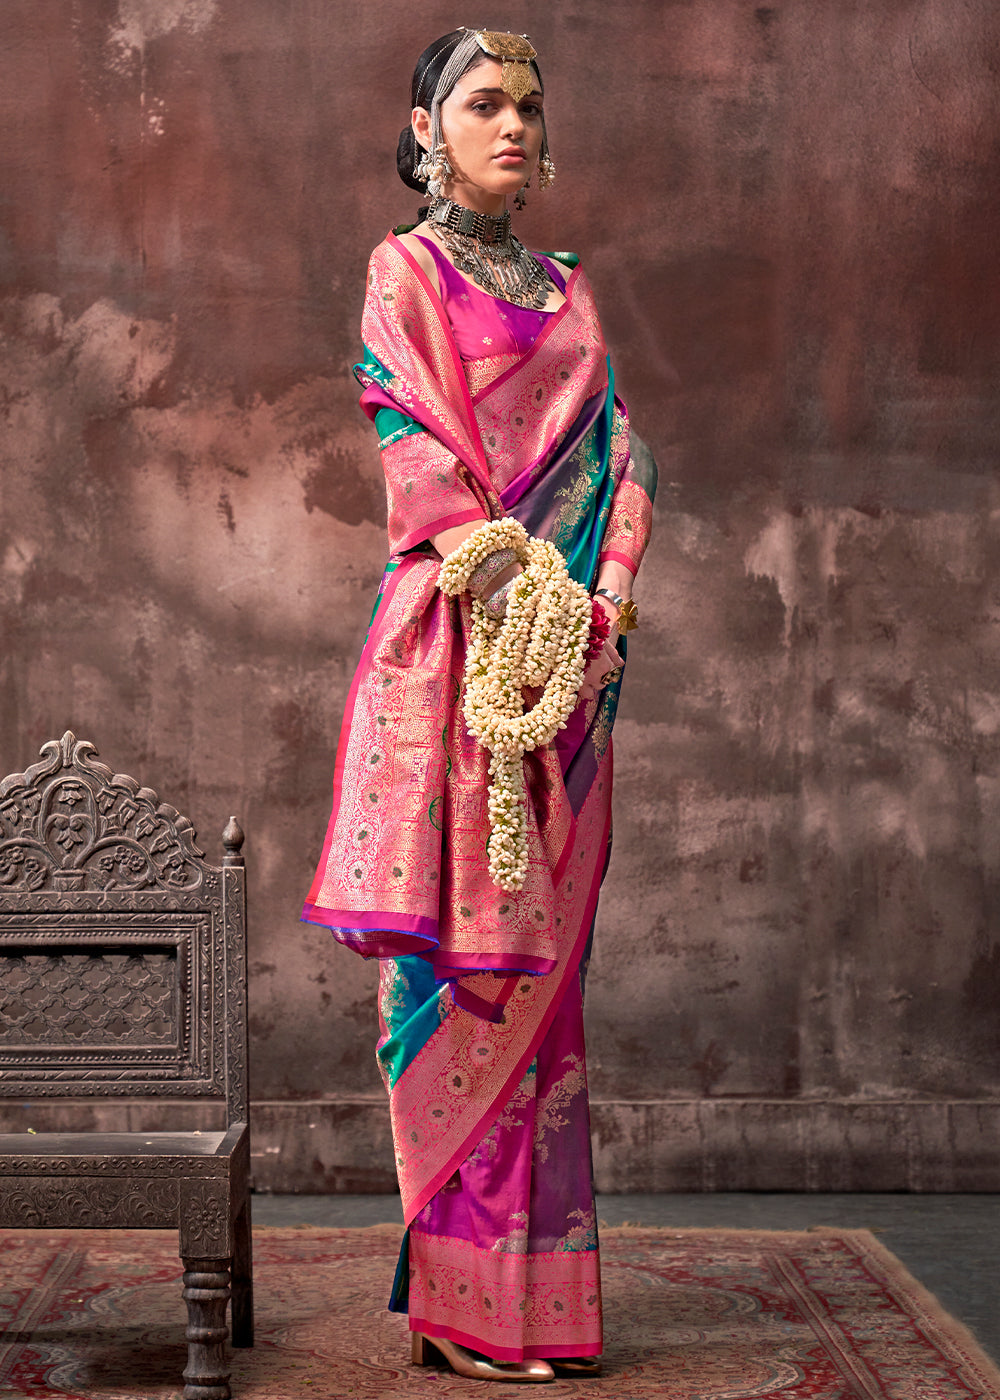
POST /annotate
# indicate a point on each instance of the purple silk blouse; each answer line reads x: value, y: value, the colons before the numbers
x: 485, y: 325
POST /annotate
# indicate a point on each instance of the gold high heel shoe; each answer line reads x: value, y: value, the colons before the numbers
x: 475, y: 1368
x: 579, y: 1366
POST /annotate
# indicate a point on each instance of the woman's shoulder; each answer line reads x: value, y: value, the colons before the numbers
x: 403, y: 240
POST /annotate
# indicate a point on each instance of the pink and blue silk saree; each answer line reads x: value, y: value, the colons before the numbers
x: 480, y: 1002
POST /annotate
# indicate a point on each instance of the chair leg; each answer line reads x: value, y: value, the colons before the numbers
x: 242, y: 1307
x: 206, y: 1292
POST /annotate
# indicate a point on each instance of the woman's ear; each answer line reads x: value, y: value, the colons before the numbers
x: 420, y: 120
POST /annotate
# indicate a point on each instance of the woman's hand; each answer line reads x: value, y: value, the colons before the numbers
x: 593, y: 677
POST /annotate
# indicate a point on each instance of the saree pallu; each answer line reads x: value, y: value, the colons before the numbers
x: 481, y: 1046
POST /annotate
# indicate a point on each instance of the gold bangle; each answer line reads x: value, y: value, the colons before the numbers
x: 628, y: 613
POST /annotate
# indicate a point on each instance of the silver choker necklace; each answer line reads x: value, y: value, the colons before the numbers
x: 483, y: 246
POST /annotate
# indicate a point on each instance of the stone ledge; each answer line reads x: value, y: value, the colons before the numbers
x: 345, y: 1145
x: 805, y: 1145
x: 677, y: 1145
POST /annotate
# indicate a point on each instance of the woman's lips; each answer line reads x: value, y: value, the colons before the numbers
x: 511, y: 157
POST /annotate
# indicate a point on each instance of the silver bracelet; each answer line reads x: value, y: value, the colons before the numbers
x: 496, y: 604
x: 615, y: 598
x: 484, y: 574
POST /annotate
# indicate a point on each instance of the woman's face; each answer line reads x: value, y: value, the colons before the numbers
x: 493, y: 142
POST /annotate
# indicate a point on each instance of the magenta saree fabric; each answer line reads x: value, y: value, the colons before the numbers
x: 480, y: 992
x: 504, y: 1257
x: 482, y: 327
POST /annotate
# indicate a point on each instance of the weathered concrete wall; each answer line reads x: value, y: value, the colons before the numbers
x: 790, y: 214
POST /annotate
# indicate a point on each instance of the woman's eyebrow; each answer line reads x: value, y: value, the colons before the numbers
x: 499, y: 91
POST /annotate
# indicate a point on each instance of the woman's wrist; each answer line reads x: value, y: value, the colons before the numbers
x: 496, y: 569
x: 627, y: 614
x: 614, y: 590
x: 495, y: 603
x: 616, y: 577
x: 491, y: 581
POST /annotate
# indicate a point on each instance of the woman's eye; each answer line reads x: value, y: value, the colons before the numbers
x: 482, y: 106
x: 531, y: 109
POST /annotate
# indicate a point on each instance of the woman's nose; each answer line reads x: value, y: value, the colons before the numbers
x: 514, y: 126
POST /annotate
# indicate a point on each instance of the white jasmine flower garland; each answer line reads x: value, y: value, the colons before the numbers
x: 540, y: 641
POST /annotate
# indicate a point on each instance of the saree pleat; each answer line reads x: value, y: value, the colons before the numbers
x: 504, y: 1257
x: 480, y: 1004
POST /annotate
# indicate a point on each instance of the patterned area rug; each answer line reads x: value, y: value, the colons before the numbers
x: 690, y: 1315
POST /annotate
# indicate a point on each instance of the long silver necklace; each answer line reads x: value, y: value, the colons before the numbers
x: 483, y: 246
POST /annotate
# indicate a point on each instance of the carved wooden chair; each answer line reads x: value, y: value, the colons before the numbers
x: 122, y: 975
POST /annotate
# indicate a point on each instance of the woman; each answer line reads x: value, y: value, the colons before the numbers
x: 471, y: 816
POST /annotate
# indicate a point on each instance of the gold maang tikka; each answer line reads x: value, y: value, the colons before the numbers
x: 515, y: 55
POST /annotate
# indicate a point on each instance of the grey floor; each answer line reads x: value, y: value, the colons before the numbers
x: 950, y: 1243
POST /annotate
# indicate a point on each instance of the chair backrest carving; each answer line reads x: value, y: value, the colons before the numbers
x: 122, y: 951
x: 69, y: 823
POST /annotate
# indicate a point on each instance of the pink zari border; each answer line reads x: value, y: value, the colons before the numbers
x: 510, y: 1306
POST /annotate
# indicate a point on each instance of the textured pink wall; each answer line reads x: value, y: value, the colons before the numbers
x: 790, y: 214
